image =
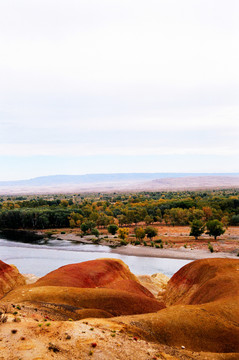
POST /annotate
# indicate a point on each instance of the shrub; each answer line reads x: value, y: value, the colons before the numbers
x: 95, y: 232
x: 96, y: 241
x: 151, y: 232
x: 123, y: 242
x: 112, y: 229
x: 139, y: 233
x: 123, y: 233
x: 210, y: 247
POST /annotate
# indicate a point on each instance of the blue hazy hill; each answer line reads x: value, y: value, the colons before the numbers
x: 104, y: 178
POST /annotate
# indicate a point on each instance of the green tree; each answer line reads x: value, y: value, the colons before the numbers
x: 94, y: 216
x: 84, y: 228
x: 87, y: 226
x: 215, y: 228
x: 151, y: 232
x: 75, y: 219
x: 64, y: 203
x: 148, y: 219
x: 122, y: 219
x: 177, y: 216
x: 139, y: 233
x: 112, y: 229
x: 197, y: 228
x: 103, y: 220
x: 234, y: 220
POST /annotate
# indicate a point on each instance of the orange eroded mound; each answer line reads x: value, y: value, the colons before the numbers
x: 204, y: 281
x: 103, y: 284
x: 205, y: 311
x: 115, y: 302
x: 10, y: 278
x: 202, y: 299
x: 101, y: 273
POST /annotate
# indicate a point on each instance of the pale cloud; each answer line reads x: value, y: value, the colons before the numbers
x: 90, y: 149
x: 99, y: 45
x: 174, y: 119
x: 74, y: 72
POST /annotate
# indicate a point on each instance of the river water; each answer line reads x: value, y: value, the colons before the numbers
x: 40, y: 258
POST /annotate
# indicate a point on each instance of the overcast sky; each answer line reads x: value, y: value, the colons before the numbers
x: 89, y: 86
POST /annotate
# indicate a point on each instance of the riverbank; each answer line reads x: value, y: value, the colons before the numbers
x: 176, y: 245
x: 181, y: 252
x: 171, y: 242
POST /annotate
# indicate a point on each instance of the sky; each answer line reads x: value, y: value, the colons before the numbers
x: 89, y: 86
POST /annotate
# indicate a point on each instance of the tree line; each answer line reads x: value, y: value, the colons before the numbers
x: 101, y: 210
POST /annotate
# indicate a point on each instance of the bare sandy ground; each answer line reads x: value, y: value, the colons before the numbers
x: 34, y: 339
x: 177, y: 253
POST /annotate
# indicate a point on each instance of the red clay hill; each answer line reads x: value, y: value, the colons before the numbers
x: 202, y: 311
x: 204, y: 281
x: 10, y: 278
x: 101, y: 273
x: 99, y: 285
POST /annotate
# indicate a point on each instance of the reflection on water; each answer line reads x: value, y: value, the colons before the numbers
x: 41, y: 257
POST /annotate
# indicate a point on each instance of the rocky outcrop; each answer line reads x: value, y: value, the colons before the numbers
x: 10, y: 278
x: 30, y: 278
x: 155, y: 283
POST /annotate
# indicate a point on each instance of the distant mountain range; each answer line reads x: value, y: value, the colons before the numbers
x: 102, y: 178
x: 120, y: 181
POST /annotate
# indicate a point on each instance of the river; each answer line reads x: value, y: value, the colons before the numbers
x: 41, y: 257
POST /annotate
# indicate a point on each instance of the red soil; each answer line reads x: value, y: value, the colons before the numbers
x: 9, y: 278
x: 202, y: 312
x: 204, y: 281
x: 103, y: 273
